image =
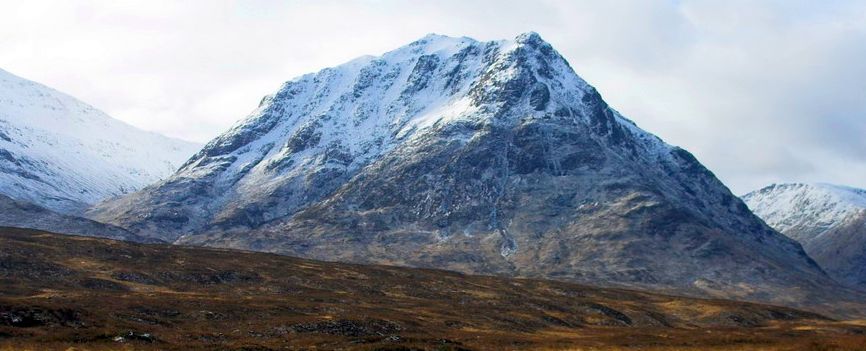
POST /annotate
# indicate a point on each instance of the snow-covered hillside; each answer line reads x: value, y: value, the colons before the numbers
x: 804, y: 211
x: 828, y: 220
x: 63, y: 154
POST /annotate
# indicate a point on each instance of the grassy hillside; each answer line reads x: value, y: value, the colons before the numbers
x: 58, y: 292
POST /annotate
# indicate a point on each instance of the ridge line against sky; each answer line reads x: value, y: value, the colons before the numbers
x: 759, y: 91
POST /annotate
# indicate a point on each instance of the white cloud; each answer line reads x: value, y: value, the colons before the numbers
x: 760, y: 91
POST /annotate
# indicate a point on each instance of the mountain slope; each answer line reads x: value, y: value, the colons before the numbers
x: 828, y: 220
x: 100, y: 294
x: 482, y: 157
x: 62, y: 154
x: 15, y: 213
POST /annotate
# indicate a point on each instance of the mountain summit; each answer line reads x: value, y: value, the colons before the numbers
x: 828, y: 220
x: 484, y: 157
x: 62, y: 154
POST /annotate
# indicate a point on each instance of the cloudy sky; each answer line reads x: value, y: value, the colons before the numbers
x: 759, y: 91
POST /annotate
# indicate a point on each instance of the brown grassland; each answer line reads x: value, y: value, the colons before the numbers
x: 76, y: 293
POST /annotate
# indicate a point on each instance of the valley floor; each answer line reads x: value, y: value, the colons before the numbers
x: 76, y: 293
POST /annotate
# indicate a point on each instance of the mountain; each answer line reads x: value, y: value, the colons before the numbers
x: 15, y: 213
x: 479, y: 157
x: 60, y: 153
x: 828, y: 220
x: 97, y: 294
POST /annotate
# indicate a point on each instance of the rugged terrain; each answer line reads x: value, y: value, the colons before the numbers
x: 828, y: 220
x: 63, y: 154
x: 21, y: 214
x: 59, y: 291
x: 479, y: 157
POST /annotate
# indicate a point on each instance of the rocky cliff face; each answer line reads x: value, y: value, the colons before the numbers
x: 483, y: 157
x: 828, y: 220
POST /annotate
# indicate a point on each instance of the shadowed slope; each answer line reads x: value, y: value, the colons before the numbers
x: 21, y: 214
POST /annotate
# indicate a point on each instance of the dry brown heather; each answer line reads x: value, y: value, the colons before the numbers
x: 65, y: 292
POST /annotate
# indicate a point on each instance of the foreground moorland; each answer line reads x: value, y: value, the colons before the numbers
x: 68, y: 292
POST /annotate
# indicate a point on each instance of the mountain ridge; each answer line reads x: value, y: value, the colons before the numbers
x: 264, y: 122
x: 479, y: 157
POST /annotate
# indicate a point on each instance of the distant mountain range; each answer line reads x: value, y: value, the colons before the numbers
x: 828, y: 220
x: 62, y: 154
x: 480, y: 157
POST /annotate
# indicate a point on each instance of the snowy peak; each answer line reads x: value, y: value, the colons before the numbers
x: 367, y: 105
x: 828, y: 220
x: 485, y: 157
x: 63, y: 154
x: 482, y: 157
x: 815, y: 206
x: 320, y: 129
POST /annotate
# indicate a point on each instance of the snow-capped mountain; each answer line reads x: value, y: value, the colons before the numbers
x: 63, y: 154
x: 828, y: 220
x: 484, y: 157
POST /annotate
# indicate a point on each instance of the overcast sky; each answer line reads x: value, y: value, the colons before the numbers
x: 760, y: 92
